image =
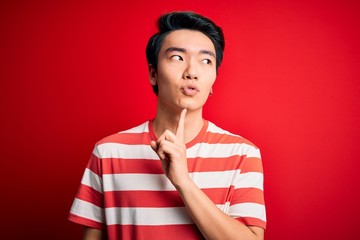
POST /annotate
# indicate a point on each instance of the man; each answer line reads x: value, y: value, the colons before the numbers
x: 178, y: 176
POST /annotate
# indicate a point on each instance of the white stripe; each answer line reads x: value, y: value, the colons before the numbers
x: 253, y: 152
x: 93, y: 180
x: 204, y: 150
x: 250, y: 180
x: 248, y: 210
x: 221, y: 179
x: 117, y: 150
x: 159, y: 182
x: 124, y: 182
x: 222, y: 150
x: 138, y: 129
x: 147, y: 216
x: 224, y: 207
x: 87, y: 210
x: 215, y: 129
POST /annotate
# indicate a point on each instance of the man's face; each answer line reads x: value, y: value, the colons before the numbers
x: 186, y: 70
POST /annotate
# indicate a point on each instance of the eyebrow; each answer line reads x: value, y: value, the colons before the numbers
x: 183, y: 50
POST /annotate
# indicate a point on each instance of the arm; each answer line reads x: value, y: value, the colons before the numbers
x: 92, y: 234
x: 211, y: 221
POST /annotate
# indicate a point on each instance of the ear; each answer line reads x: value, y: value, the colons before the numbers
x: 152, y: 75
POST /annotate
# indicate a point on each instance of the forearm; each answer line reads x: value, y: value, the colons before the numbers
x: 92, y: 234
x: 211, y: 221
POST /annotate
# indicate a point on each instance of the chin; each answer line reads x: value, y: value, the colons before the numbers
x: 191, y: 107
x: 191, y: 104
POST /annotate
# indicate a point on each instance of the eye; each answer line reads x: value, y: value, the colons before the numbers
x: 176, y: 57
x: 206, y: 61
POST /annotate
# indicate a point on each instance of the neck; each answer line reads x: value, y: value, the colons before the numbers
x: 168, y: 120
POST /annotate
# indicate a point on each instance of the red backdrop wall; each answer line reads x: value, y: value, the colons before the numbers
x: 74, y: 72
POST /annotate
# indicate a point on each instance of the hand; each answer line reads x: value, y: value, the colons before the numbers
x: 171, y: 150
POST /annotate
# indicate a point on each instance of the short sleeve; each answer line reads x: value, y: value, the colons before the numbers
x: 247, y: 204
x: 87, y: 208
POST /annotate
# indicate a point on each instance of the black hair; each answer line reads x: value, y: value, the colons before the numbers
x: 184, y: 20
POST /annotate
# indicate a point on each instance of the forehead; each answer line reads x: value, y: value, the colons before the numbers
x: 190, y: 40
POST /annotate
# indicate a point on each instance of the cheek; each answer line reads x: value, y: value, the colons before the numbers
x: 166, y: 84
x: 162, y: 79
x: 168, y: 75
x: 210, y: 73
x: 211, y: 80
x: 207, y: 88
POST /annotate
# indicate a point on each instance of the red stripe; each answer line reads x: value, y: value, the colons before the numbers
x: 243, y: 195
x: 90, y: 195
x: 84, y: 221
x: 167, y: 198
x: 214, y: 164
x: 146, y: 137
x: 219, y: 195
x: 158, y: 198
x: 143, y: 199
x: 252, y: 164
x: 127, y: 138
x: 120, y: 165
x: 94, y: 164
x: 225, y: 138
x: 174, y: 232
x: 250, y: 221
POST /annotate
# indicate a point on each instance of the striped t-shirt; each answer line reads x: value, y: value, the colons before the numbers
x: 125, y: 192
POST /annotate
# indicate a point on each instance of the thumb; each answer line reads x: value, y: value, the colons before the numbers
x: 153, y: 145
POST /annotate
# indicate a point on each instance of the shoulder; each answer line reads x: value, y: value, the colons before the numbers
x: 221, y: 135
x: 123, y: 143
x: 126, y: 136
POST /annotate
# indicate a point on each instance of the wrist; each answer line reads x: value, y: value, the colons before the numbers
x: 184, y: 184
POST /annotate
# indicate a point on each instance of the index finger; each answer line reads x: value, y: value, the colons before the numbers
x: 181, y: 125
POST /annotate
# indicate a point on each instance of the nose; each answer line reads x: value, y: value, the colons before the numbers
x: 191, y: 71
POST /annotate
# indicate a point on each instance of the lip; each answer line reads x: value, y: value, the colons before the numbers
x: 190, y: 90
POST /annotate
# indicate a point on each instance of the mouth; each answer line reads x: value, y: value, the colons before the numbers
x: 190, y: 90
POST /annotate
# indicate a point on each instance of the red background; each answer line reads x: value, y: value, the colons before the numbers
x: 74, y: 72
